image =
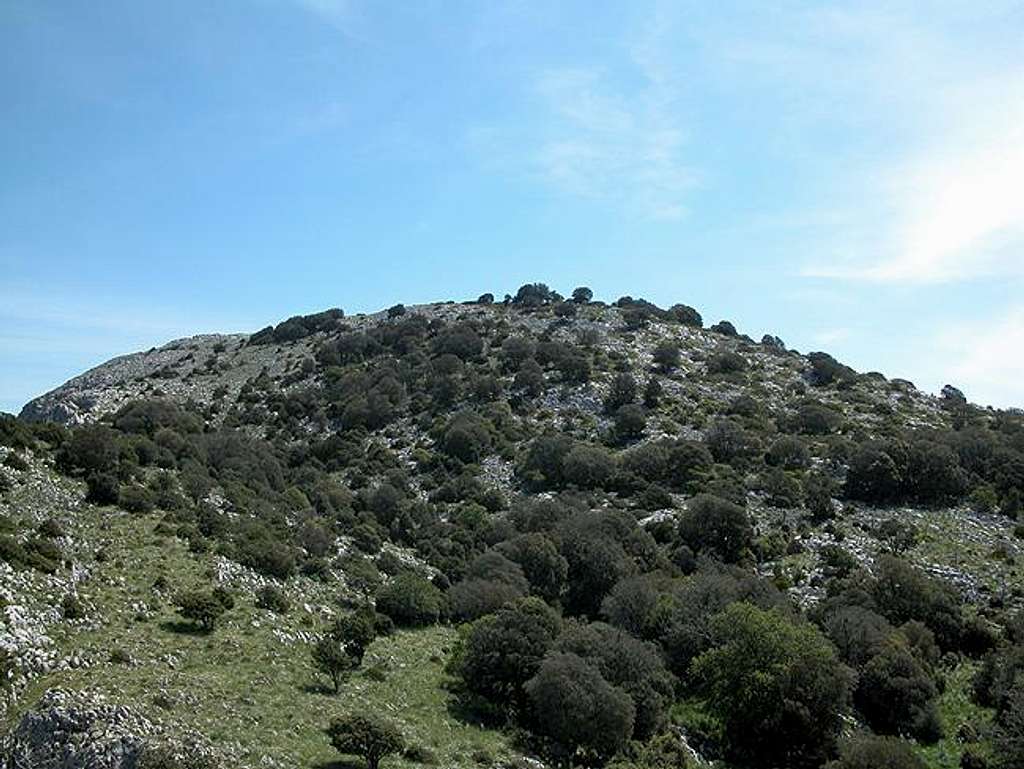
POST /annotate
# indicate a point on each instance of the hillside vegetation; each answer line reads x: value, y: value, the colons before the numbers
x: 501, y: 533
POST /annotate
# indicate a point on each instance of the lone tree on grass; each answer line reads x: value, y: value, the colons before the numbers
x: 367, y: 736
x: 202, y: 607
x: 331, y: 659
x: 342, y: 648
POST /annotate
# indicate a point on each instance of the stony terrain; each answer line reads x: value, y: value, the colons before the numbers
x: 123, y: 676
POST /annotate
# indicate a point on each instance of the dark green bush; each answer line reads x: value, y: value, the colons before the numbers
x: 714, y: 525
x: 410, y: 600
x: 273, y: 599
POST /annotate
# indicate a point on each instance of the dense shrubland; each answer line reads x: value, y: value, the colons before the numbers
x: 611, y: 583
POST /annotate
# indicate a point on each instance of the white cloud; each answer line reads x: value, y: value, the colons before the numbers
x: 942, y: 201
x: 605, y: 144
x: 340, y: 14
x: 609, y: 133
x: 988, y: 365
x: 831, y: 336
x: 955, y: 210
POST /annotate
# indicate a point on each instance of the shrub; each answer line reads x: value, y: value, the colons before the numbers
x: 102, y: 488
x: 51, y: 529
x: 1008, y: 735
x: 621, y: 391
x: 896, y: 694
x: 858, y: 633
x: 666, y: 356
x: 576, y: 707
x: 826, y: 370
x: 714, y: 525
x: 630, y: 422
x: 815, y: 419
x: 575, y: 368
x: 273, y: 599
x: 533, y: 295
x: 501, y: 651
x: 635, y: 605
x: 72, y: 607
x: 632, y: 665
x: 367, y: 538
x: 789, y: 453
x: 94, y: 448
x: 729, y: 443
x: 410, y: 600
x: 15, y: 462
x: 473, y: 598
x: 544, y: 568
x: 200, y: 606
x: 726, y: 362
x: 588, y: 467
x: 903, y: 593
x: 529, y: 378
x: 466, y: 438
x: 600, y: 547
x: 776, y: 687
x: 355, y: 632
x: 652, y: 393
x: 491, y: 581
x: 867, y: 751
x: 874, y: 476
x: 542, y: 465
x: 897, y: 537
x: 332, y: 659
x: 582, y: 295
x: 267, y: 556
x: 135, y: 499
x: 685, y: 315
x: 367, y: 736
x: 42, y: 554
x: 818, y: 491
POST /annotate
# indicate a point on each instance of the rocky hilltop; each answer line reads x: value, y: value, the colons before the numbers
x: 456, y: 517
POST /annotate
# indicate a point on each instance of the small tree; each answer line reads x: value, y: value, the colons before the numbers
x: 652, y: 393
x: 630, y: 422
x: 896, y: 695
x: 575, y: 706
x: 410, y: 600
x: 621, y: 391
x: 712, y: 524
x: 870, y: 752
x: 332, y: 659
x: 776, y: 687
x: 202, y: 607
x: 103, y: 488
x: 355, y: 632
x: 365, y: 735
x: 582, y: 295
x: 666, y: 356
x: 897, y: 536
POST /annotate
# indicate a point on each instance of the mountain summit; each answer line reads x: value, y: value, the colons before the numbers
x: 496, y: 533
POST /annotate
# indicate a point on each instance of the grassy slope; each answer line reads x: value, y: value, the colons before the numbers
x: 955, y: 709
x: 243, y: 686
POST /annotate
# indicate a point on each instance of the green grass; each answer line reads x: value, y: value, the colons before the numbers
x: 242, y: 686
x: 955, y: 710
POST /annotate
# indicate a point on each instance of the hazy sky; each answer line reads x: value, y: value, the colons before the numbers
x: 848, y: 176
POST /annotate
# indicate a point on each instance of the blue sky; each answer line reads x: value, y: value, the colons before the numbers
x: 848, y: 176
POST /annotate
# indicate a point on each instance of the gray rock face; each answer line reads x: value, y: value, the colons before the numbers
x: 104, y: 388
x: 75, y: 730
x: 84, y: 730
